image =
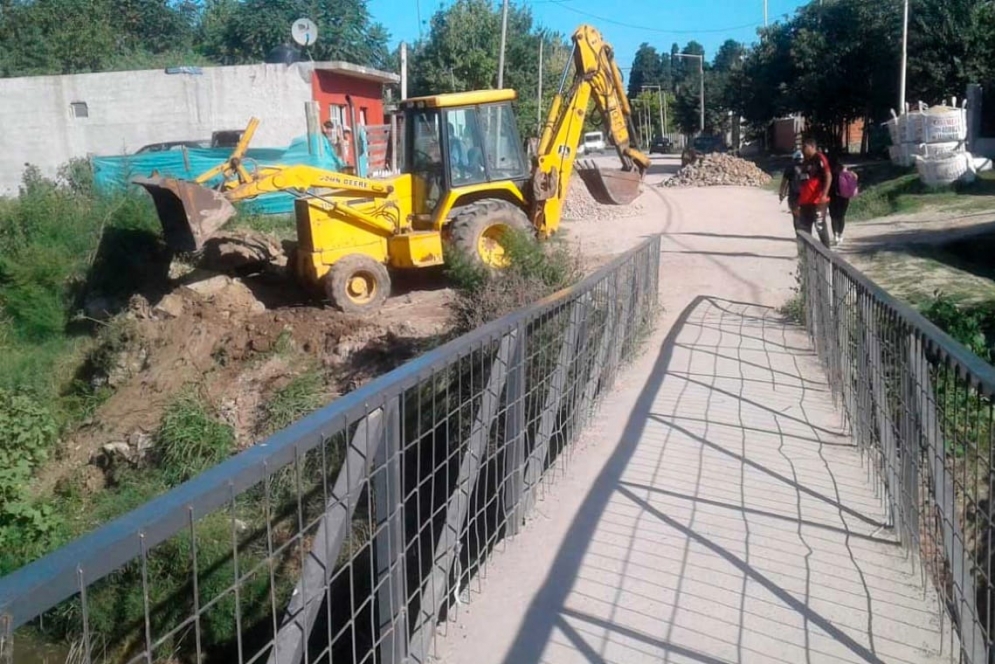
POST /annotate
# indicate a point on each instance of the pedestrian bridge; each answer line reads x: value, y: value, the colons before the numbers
x: 584, y: 481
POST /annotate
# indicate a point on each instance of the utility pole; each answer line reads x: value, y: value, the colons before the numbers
x: 504, y: 37
x: 905, y: 58
x: 701, y: 90
x: 404, y: 71
x: 542, y: 39
x: 765, y: 13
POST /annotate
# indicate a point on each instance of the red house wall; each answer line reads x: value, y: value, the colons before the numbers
x: 332, y: 87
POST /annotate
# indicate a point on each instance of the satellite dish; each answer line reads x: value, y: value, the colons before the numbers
x: 304, y: 31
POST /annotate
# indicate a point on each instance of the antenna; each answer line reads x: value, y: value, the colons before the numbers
x: 304, y: 32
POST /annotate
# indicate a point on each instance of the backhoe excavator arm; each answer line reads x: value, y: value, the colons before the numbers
x: 191, y: 213
x: 597, y: 77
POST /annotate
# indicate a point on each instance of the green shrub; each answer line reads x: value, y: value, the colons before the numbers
x: 302, y: 395
x: 535, y: 270
x: 27, y: 433
x: 190, y: 440
x: 972, y: 326
x: 60, y: 242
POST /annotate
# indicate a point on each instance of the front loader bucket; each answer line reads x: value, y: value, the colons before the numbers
x: 615, y: 187
x: 189, y: 213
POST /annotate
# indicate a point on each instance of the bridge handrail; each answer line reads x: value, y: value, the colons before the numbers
x: 919, y: 405
x: 499, y: 404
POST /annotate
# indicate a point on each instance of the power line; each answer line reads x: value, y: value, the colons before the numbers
x: 633, y: 26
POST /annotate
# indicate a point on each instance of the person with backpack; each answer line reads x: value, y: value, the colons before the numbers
x: 817, y: 179
x: 791, y: 182
x: 845, y: 186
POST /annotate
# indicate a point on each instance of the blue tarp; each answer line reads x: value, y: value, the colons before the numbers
x: 112, y: 174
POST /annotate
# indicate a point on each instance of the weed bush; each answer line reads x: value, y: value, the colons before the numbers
x: 973, y: 326
x: 535, y: 270
x: 190, y: 440
x: 27, y: 433
x: 59, y: 241
x: 302, y: 395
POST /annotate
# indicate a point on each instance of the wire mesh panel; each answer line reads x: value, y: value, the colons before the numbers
x: 349, y: 535
x: 919, y: 406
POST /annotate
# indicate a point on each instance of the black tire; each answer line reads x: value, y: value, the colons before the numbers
x: 479, y: 225
x: 364, y: 297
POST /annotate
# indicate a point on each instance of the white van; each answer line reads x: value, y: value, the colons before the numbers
x: 594, y: 141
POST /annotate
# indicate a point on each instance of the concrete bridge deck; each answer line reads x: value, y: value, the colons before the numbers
x: 716, y: 511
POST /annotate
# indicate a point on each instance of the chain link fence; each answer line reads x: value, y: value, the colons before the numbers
x: 919, y: 406
x: 349, y: 535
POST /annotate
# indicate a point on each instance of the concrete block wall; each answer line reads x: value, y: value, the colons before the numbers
x: 127, y: 110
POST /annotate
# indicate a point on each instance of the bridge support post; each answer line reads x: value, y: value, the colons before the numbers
x: 536, y: 463
x: 515, y: 434
x: 302, y: 610
x: 435, y: 588
x: 388, y: 506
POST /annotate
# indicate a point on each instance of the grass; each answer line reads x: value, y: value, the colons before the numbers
x: 280, y: 226
x: 190, y: 440
x: 60, y: 245
x: 886, y: 190
x: 302, y: 395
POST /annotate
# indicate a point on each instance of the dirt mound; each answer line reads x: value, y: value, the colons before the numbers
x: 581, y: 206
x: 718, y: 169
x: 235, y: 340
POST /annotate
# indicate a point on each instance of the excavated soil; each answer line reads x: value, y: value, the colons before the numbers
x: 234, y: 329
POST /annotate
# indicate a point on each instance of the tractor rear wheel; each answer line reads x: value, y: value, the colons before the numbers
x: 478, y: 230
x: 357, y: 284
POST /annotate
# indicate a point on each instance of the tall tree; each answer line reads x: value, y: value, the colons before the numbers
x: 647, y: 69
x: 461, y: 53
x: 728, y: 56
x: 834, y: 62
x: 245, y: 31
x: 943, y: 43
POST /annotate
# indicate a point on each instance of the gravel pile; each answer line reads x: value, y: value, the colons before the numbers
x: 580, y: 206
x: 718, y: 169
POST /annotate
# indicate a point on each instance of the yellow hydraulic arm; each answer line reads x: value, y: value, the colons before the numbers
x: 595, y: 76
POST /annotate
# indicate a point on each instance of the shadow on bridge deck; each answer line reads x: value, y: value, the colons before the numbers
x: 730, y: 520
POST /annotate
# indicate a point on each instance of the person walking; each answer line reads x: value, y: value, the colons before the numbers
x: 791, y: 185
x: 813, y: 197
x: 845, y: 184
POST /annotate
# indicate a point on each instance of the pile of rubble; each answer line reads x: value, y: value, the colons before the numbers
x: 581, y: 206
x: 718, y: 169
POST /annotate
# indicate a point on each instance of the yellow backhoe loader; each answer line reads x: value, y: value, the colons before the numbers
x: 466, y: 180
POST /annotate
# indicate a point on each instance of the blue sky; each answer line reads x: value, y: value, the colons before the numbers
x: 625, y: 23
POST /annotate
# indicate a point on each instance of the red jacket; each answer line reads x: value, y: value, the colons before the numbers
x: 816, y: 170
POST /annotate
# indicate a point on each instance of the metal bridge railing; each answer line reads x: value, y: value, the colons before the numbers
x: 349, y: 535
x: 920, y: 407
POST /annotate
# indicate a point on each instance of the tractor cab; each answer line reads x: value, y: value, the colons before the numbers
x: 460, y: 145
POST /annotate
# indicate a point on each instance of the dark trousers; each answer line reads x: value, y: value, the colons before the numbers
x: 807, y: 217
x: 837, y: 212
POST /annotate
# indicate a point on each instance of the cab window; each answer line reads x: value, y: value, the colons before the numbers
x: 466, y: 151
x: 425, y: 157
x: 502, y: 149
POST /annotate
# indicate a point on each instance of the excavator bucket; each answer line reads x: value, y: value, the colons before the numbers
x: 615, y: 187
x: 189, y: 213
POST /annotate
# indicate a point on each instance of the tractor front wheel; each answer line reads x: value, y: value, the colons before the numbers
x: 479, y: 229
x: 357, y: 284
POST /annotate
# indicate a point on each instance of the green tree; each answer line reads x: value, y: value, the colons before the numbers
x: 947, y: 42
x: 728, y: 56
x: 834, y: 62
x: 236, y: 32
x: 461, y: 53
x: 648, y: 68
